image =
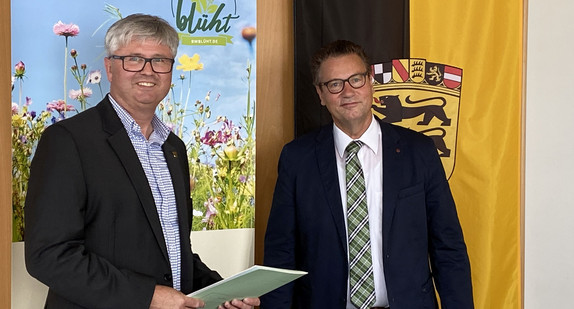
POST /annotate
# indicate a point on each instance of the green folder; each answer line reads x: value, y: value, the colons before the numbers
x: 252, y: 282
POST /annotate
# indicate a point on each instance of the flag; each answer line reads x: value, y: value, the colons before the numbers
x: 483, y: 39
x: 460, y: 64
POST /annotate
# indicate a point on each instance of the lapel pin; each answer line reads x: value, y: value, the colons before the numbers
x: 174, y: 153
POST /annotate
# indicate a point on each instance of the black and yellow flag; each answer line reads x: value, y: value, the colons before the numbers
x: 452, y: 70
x: 381, y: 27
x: 484, y: 39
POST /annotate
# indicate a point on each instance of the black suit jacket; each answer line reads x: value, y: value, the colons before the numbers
x: 422, y: 238
x: 93, y: 234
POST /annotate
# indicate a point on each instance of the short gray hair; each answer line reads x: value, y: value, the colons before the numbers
x: 141, y: 27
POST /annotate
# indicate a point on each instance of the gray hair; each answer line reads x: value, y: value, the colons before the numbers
x: 141, y: 27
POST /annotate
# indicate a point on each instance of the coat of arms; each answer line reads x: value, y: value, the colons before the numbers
x: 423, y: 96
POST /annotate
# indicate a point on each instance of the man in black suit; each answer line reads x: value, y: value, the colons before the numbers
x: 108, y: 209
x: 412, y: 239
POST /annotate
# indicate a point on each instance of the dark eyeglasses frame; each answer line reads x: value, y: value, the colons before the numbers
x: 146, y: 60
x: 346, y: 80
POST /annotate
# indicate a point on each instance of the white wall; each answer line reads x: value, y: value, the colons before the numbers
x: 549, y: 203
x: 226, y: 251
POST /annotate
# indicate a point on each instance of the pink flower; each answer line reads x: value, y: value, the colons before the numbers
x: 66, y: 29
x: 14, y: 108
x: 74, y: 94
x: 227, y: 132
x: 77, y: 94
x: 59, y: 106
x: 170, y: 126
x: 210, y: 210
x: 19, y: 69
x: 209, y: 138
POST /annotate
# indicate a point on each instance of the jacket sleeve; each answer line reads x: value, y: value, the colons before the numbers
x: 279, y: 249
x: 447, y: 250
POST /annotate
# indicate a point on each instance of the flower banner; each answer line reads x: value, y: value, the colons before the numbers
x: 58, y: 71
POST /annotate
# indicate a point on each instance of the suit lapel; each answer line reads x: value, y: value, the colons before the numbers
x: 122, y: 145
x: 178, y: 168
x: 175, y: 162
x: 392, y: 163
x: 326, y: 160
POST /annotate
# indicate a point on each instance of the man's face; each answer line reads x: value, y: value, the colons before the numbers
x: 138, y: 91
x: 350, y: 108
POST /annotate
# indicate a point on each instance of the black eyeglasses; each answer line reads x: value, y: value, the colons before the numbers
x: 137, y: 63
x: 336, y: 85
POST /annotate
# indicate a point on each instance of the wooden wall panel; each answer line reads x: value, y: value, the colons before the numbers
x: 274, y: 115
x: 5, y: 156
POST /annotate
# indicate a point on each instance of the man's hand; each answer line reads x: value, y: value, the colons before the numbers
x: 165, y: 297
x: 246, y: 303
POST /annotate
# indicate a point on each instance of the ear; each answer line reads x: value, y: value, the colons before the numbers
x: 108, y: 66
x: 320, y: 93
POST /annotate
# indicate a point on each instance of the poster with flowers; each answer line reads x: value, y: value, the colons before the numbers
x: 57, y: 56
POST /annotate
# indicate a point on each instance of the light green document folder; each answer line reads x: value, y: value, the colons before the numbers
x: 252, y: 282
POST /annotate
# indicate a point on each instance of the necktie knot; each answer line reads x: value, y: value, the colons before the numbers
x: 354, y: 147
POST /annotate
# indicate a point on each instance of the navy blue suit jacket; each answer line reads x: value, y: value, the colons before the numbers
x: 422, y: 239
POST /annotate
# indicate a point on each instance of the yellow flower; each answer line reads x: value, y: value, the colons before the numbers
x: 189, y: 63
x: 18, y: 121
x: 231, y: 152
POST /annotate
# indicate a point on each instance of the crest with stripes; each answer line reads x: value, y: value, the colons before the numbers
x: 423, y: 96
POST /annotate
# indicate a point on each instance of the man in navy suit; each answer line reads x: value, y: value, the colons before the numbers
x: 416, y: 241
x: 108, y: 209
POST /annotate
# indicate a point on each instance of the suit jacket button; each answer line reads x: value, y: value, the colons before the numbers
x: 167, y: 277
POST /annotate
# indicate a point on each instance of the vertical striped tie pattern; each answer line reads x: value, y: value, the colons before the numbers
x: 361, y: 264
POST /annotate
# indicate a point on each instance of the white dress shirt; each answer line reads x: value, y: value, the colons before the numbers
x: 371, y: 158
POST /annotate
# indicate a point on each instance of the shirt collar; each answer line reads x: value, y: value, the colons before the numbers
x: 160, y: 129
x: 371, y: 138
